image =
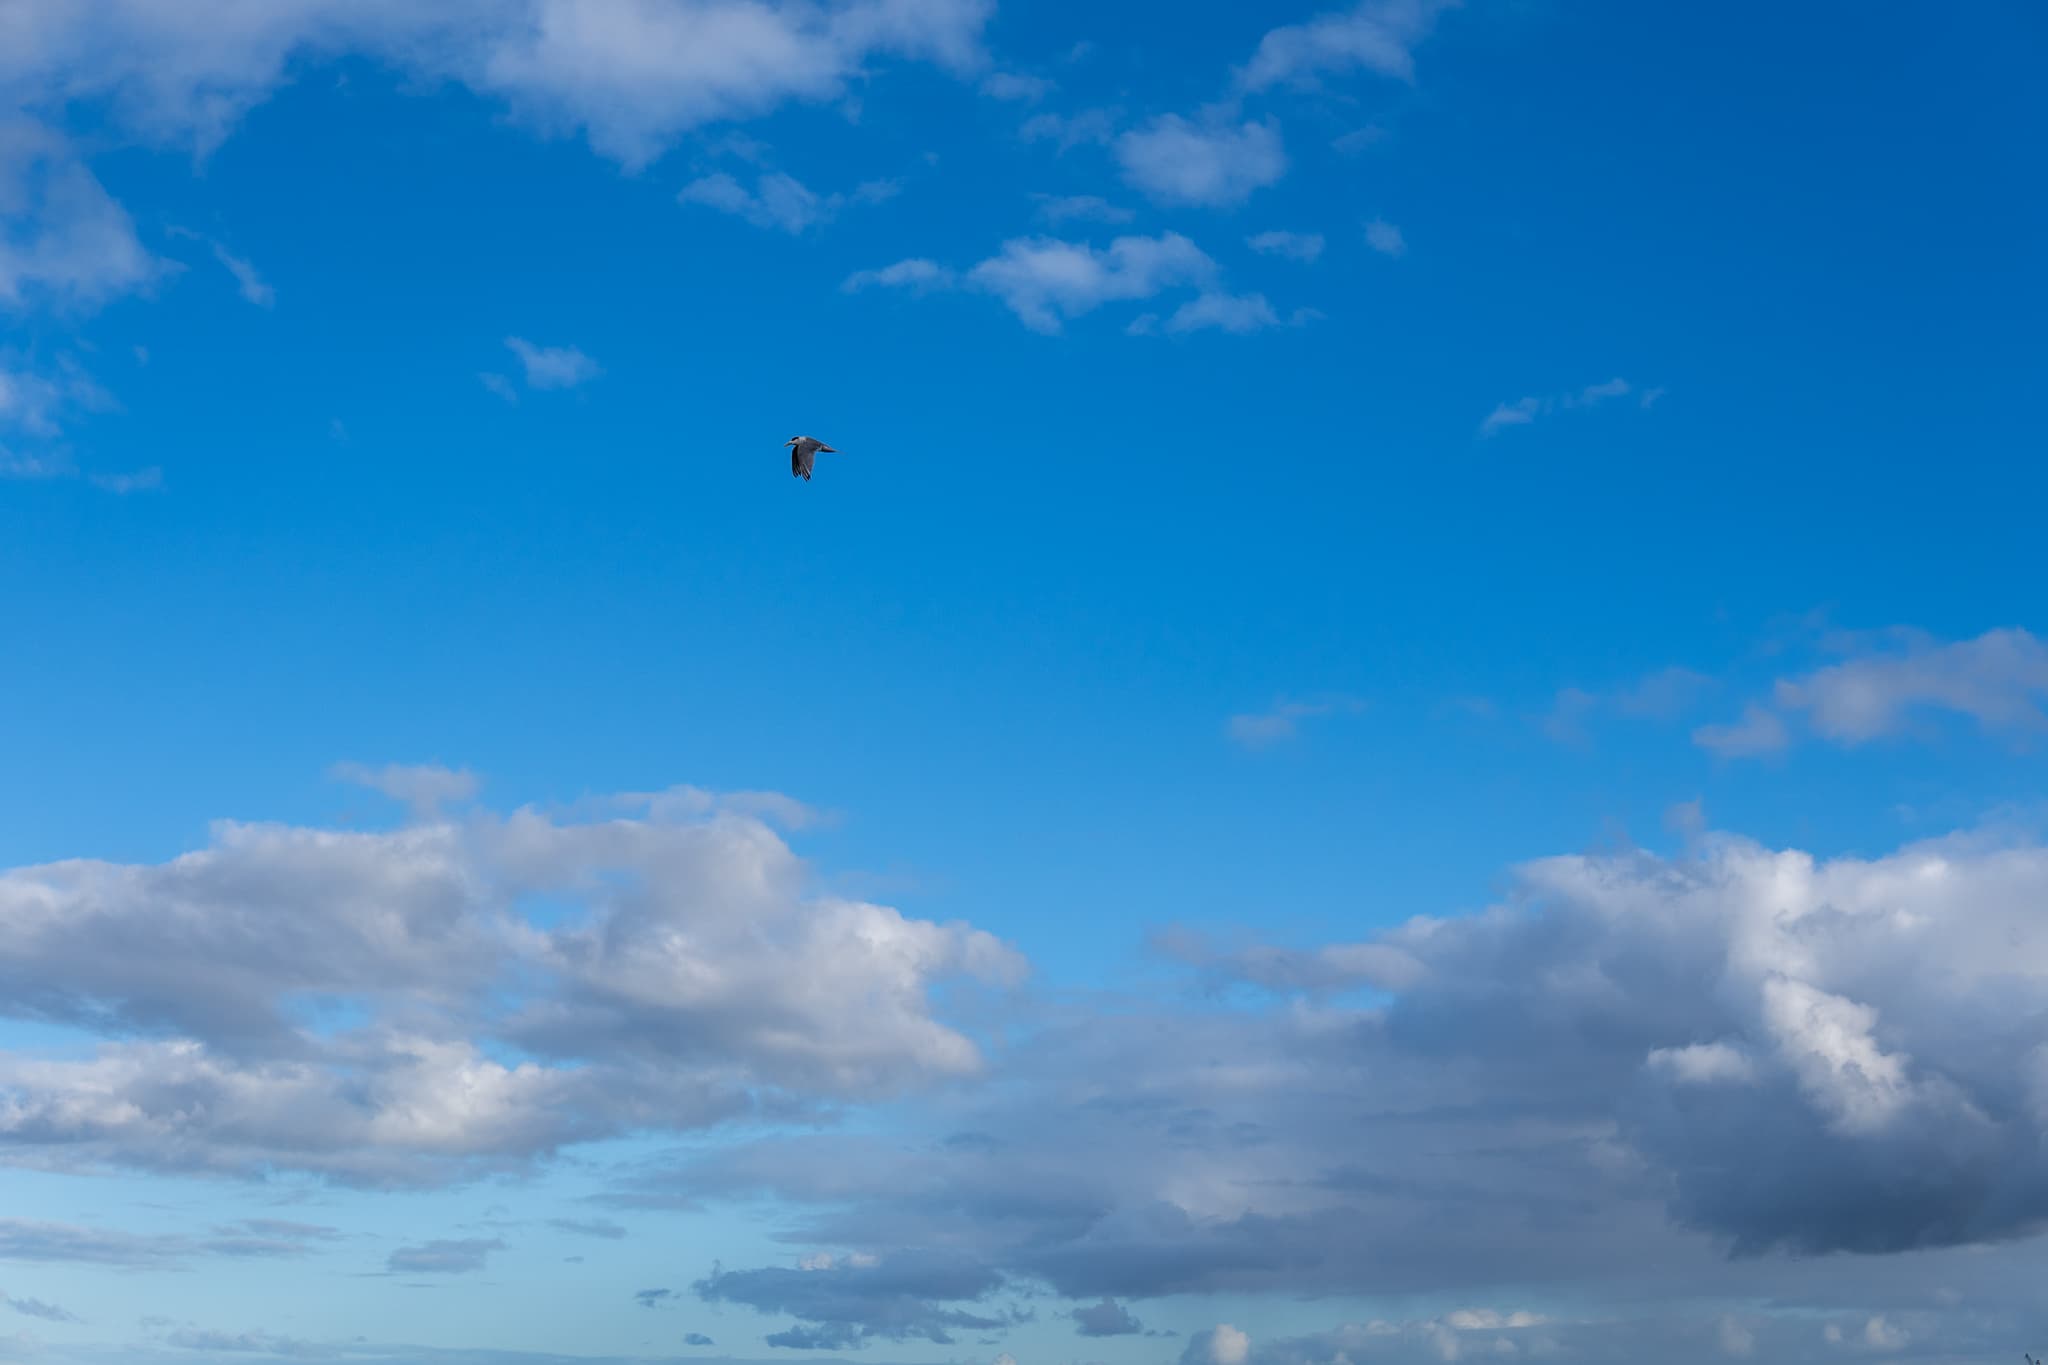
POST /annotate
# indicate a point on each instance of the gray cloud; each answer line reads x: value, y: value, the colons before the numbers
x: 589, y: 1227
x: 1106, y: 1319
x: 24, y: 1240
x: 843, y: 1303
x: 37, y: 1308
x: 1628, y: 1071
x: 444, y: 1257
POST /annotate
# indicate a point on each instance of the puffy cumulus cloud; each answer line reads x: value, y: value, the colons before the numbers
x: 844, y: 1303
x: 381, y: 1007
x: 552, y: 367
x: 1377, y: 35
x: 629, y: 76
x: 1628, y: 1069
x: 1047, y: 282
x: 1175, y: 161
x: 1999, y: 680
x: 1218, y: 1345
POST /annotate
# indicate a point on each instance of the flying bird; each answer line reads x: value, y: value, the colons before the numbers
x: 803, y: 455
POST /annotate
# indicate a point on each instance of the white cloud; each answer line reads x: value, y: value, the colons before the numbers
x: 775, y: 201
x: 551, y: 367
x: 1998, y: 679
x: 1377, y: 35
x: 630, y: 76
x: 425, y: 787
x: 1385, y: 238
x: 917, y: 273
x: 251, y: 284
x: 691, y: 979
x: 1759, y: 731
x: 1178, y: 162
x: 1046, y: 282
x: 1299, y: 246
x: 1704, y: 1064
x: 1239, y: 313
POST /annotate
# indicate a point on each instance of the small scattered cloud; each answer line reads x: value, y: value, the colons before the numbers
x: 458, y: 1256
x: 1759, y: 731
x: 1298, y: 246
x: 1385, y: 238
x: 1106, y: 1319
x: 917, y: 274
x: 602, y: 1228
x: 499, y: 385
x: 1663, y: 695
x: 1224, y: 312
x: 1215, y: 164
x: 1378, y: 36
x: 1523, y: 411
x: 425, y: 787
x: 1263, y: 729
x: 779, y: 201
x: 247, y: 281
x: 653, y: 1298
x: 37, y: 1308
x: 552, y: 367
x: 698, y: 1339
x: 1047, y: 282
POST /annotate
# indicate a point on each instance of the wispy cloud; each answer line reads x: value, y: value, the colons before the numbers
x: 1663, y: 695
x: 1298, y: 246
x: 133, y: 481
x: 1068, y: 131
x: 1263, y: 729
x: 445, y: 1257
x: 425, y: 787
x: 778, y: 200
x: 1891, y: 680
x: 1523, y: 411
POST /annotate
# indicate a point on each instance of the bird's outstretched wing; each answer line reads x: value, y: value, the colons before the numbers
x: 802, y: 461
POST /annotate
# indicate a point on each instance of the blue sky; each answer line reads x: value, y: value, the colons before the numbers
x: 1408, y: 713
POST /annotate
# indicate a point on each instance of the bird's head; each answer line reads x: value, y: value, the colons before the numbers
x: 792, y: 440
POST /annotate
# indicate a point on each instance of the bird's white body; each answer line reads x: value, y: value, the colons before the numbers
x: 803, y: 455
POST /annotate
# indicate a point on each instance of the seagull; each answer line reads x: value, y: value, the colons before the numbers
x: 803, y: 455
